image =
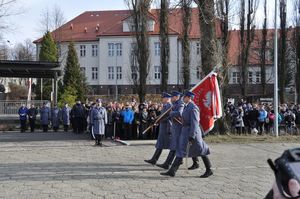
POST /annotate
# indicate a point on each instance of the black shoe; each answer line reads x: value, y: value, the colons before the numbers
x: 194, y: 166
x: 151, y: 161
x: 164, y: 166
x: 168, y: 173
x: 207, y: 174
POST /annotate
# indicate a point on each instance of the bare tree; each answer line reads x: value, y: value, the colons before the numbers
x: 7, y: 8
x: 209, y: 50
x: 164, y: 42
x: 282, y: 50
x: 24, y: 51
x: 247, y: 28
x: 139, y: 19
x: 45, y: 21
x: 186, y: 20
x: 263, y: 50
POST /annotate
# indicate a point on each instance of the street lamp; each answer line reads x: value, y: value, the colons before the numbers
x: 276, y: 74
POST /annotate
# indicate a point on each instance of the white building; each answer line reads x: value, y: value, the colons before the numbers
x: 104, y: 43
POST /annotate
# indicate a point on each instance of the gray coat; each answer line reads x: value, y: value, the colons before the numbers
x: 98, y: 120
x: 191, y: 129
x: 176, y: 127
x: 65, y: 114
x: 55, y: 117
x: 45, y: 114
x: 164, y: 136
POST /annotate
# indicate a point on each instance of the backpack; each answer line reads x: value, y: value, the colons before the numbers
x: 271, y: 116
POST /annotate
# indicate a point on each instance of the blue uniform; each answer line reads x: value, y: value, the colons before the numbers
x: 45, y: 115
x: 191, y: 129
x: 23, y: 111
x: 176, y: 127
x: 65, y: 114
x: 164, y: 136
x: 98, y: 120
x: 55, y: 117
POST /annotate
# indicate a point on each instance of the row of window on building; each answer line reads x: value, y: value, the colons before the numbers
x: 115, y: 49
x: 253, y: 77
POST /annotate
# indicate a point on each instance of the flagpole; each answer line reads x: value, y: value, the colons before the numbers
x: 276, y: 74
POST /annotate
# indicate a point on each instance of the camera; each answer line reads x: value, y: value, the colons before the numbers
x: 285, y: 168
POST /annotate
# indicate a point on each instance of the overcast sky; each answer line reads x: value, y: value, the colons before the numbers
x: 27, y: 24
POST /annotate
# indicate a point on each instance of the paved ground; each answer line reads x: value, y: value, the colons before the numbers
x: 59, y: 165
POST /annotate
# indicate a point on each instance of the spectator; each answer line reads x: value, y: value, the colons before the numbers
x: 239, y: 120
x: 23, y: 117
x: 79, y: 117
x: 143, y: 122
x: 253, y: 119
x: 109, y: 127
x: 128, y: 117
x: 45, y: 113
x: 262, y: 119
x: 32, y: 113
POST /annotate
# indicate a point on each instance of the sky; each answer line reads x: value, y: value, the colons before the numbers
x: 26, y: 24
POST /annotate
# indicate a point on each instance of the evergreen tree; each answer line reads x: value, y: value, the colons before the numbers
x: 73, y: 77
x: 48, y: 52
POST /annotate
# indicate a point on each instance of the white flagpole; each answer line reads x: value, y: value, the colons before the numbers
x: 29, y: 91
x: 276, y: 74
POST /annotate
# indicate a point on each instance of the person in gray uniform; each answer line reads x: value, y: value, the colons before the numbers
x: 191, y: 143
x: 45, y: 114
x: 55, y: 117
x: 98, y: 122
x: 164, y: 136
x: 65, y: 116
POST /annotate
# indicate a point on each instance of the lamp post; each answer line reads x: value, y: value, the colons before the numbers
x: 276, y: 74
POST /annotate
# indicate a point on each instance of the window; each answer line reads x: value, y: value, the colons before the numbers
x: 157, y: 48
x: 235, y: 77
x: 94, y: 73
x: 94, y: 50
x: 198, y: 72
x: 198, y: 48
x: 111, y: 49
x: 258, y: 77
x: 250, y: 77
x: 119, y: 72
x: 114, y: 49
x: 118, y: 49
x: 111, y: 72
x: 157, y: 72
x: 134, y: 74
x: 82, y: 50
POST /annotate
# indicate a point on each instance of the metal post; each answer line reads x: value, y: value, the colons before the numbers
x: 41, y: 89
x: 55, y: 89
x: 276, y: 74
x: 116, y: 72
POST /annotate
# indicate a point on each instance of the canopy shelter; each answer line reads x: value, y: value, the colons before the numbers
x: 32, y: 69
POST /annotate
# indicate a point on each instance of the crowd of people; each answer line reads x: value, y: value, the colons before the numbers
x: 124, y: 121
x: 128, y: 121
x: 246, y: 118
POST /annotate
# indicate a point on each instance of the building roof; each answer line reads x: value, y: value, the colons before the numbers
x: 92, y: 24
x: 34, y: 69
x: 234, y: 48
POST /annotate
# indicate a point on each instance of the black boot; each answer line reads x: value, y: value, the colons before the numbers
x: 195, y: 164
x: 172, y: 171
x: 155, y: 157
x: 168, y: 161
x: 207, y: 164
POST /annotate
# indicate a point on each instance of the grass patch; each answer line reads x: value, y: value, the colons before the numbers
x: 244, y: 139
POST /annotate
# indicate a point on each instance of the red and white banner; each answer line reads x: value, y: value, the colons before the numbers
x: 207, y: 98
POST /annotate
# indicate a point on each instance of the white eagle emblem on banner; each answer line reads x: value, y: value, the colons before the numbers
x: 208, y: 99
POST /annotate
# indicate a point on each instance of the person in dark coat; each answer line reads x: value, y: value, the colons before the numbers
x: 23, y: 117
x: 45, y: 114
x: 191, y: 143
x: 65, y: 116
x: 99, y: 120
x: 143, y: 122
x: 109, y: 127
x: 79, y: 117
x: 164, y: 136
x: 55, y: 117
x: 32, y: 113
x: 117, y: 117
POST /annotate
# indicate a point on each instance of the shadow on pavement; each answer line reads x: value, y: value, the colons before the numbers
x: 40, y: 136
x: 74, y: 171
